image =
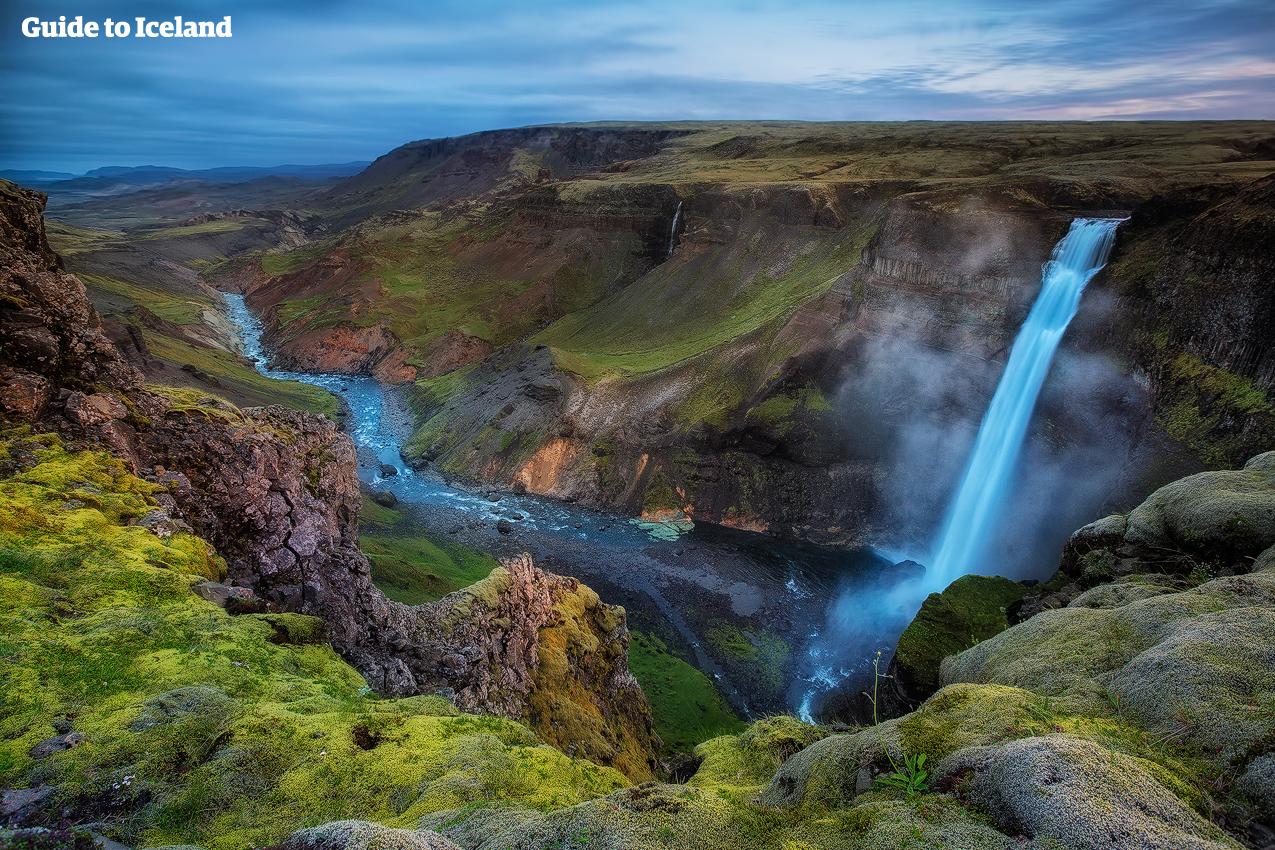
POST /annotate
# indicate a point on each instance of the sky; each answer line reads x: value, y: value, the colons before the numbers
x: 321, y: 81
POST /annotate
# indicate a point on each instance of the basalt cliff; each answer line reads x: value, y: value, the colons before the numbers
x: 768, y: 326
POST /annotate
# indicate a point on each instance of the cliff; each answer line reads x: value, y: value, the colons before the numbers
x: 274, y: 491
x: 765, y: 326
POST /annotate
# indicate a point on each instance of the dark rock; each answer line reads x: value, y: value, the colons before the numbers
x: 504, y: 526
x: 514, y: 515
x: 56, y: 744
x: 680, y: 767
x: 241, y: 600
x: 969, y: 610
x: 385, y: 499
x: 20, y: 806
x: 388, y: 470
x: 493, y: 497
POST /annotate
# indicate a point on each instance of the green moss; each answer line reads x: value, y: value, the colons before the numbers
x: 1204, y: 406
x: 761, y: 656
x: 969, y: 610
x: 687, y: 708
x: 217, y: 730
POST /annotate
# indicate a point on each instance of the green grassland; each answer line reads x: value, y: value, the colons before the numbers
x: 688, y: 709
x: 411, y: 564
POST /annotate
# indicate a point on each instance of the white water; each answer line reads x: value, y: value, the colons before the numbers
x: 977, y: 507
x: 672, y: 231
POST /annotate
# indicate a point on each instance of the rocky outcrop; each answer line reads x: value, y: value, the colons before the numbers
x: 50, y: 335
x: 275, y: 491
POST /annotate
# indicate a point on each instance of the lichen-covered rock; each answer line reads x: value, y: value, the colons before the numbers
x: 1201, y: 660
x: 1122, y: 592
x: 830, y: 771
x: 1258, y: 783
x: 1077, y: 795
x: 1228, y: 512
x: 968, y: 610
x: 362, y: 835
x: 647, y: 816
x: 210, y: 706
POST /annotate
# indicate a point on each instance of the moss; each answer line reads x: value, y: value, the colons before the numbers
x: 686, y: 706
x: 969, y: 610
x: 98, y: 624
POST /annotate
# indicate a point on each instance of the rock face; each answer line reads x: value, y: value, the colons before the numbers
x: 275, y: 491
x: 50, y: 336
x: 969, y: 610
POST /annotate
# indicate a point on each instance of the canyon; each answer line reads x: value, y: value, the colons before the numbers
x: 791, y: 330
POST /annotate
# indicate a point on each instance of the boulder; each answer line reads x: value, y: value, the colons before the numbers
x: 362, y: 835
x: 1228, y: 512
x: 1074, y: 794
x: 969, y: 610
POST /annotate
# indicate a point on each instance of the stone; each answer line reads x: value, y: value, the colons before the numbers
x: 969, y: 610
x: 19, y: 805
x: 1225, y: 512
x: 504, y: 526
x: 1258, y: 783
x: 363, y: 835
x: 1076, y: 794
x: 388, y: 470
x: 201, y: 702
x: 385, y: 499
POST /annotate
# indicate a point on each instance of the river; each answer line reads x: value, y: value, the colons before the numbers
x: 685, y: 587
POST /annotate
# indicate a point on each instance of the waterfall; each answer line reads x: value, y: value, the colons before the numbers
x: 672, y: 231
x: 1077, y: 258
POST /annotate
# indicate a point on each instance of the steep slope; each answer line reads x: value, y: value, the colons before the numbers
x: 274, y: 490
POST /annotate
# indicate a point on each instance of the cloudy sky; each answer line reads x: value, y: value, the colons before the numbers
x: 312, y: 81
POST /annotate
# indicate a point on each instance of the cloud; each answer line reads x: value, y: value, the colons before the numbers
x: 336, y: 80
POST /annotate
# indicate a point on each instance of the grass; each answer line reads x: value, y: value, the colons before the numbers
x: 251, y: 386
x: 413, y: 565
x: 687, y: 707
x: 181, y: 310
x: 679, y: 313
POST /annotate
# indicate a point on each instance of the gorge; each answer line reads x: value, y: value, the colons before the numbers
x: 719, y: 373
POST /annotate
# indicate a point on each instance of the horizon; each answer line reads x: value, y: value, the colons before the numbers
x: 368, y: 160
x: 336, y: 82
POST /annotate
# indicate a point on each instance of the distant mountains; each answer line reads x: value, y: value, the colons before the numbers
x: 149, y: 175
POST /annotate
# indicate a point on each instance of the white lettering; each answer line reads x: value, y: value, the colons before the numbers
x: 75, y: 29
x: 122, y: 29
x: 141, y: 27
x: 192, y: 30
x: 154, y: 24
x: 166, y: 29
x: 223, y: 28
x: 90, y: 29
x: 206, y: 29
x: 31, y: 31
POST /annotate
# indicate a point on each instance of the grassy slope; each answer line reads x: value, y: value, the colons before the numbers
x: 99, y: 618
x: 239, y: 384
x: 411, y: 564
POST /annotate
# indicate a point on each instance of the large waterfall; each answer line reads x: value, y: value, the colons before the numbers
x: 974, y: 512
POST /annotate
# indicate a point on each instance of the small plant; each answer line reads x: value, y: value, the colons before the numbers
x: 914, y: 777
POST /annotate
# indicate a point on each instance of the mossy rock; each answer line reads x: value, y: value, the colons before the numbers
x: 294, y: 628
x: 1071, y: 793
x: 362, y: 835
x: 969, y: 610
x: 1228, y: 513
x: 1199, y: 665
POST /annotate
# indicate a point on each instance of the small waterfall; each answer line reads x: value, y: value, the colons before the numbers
x: 672, y: 231
x: 1077, y: 258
